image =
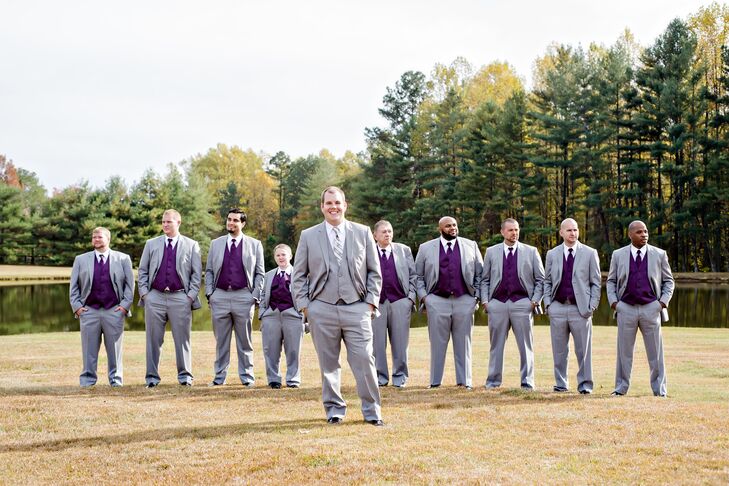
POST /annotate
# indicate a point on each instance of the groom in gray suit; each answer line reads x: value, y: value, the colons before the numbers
x: 101, y: 294
x: 233, y: 280
x: 336, y: 285
x: 169, y: 277
x: 511, y: 292
x: 449, y: 274
x: 396, y: 302
x: 639, y: 288
x: 571, y: 294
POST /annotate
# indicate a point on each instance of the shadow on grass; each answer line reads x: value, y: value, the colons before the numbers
x: 161, y: 435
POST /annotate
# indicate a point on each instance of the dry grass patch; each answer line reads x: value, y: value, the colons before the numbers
x: 51, y: 431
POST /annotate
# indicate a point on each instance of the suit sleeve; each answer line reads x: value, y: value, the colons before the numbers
x: 374, y: 274
x: 143, y: 274
x: 258, y: 273
x: 477, y: 272
x: 667, y: 283
x: 209, y: 272
x: 612, y: 280
x: 195, y: 271
x: 538, y: 276
x: 420, y: 284
x: 412, y: 276
x: 75, y: 289
x: 485, y: 277
x: 595, y: 280
x: 547, y: 284
x: 300, y: 274
x: 128, y: 293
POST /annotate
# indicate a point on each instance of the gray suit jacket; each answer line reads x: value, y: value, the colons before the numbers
x: 252, y: 262
x: 586, y: 278
x: 188, y: 263
x: 120, y: 271
x: 405, y: 268
x: 265, y: 294
x: 530, y: 271
x: 311, y: 263
x: 659, y: 275
x: 427, y: 266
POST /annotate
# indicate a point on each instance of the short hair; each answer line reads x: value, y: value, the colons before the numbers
x: 280, y: 246
x: 174, y: 213
x: 509, y: 220
x: 101, y: 229
x: 332, y: 190
x: 635, y: 223
x: 381, y: 223
x: 243, y: 217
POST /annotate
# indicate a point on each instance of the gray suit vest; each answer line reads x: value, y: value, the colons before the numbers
x: 339, y: 284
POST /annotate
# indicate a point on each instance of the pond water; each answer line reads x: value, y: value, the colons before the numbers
x: 44, y: 308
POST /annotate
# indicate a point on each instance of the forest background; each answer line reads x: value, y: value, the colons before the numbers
x: 605, y: 134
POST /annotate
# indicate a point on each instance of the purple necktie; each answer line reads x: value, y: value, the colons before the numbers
x: 570, y: 256
x: 638, y: 259
x: 449, y: 251
x: 383, y: 257
x: 169, y: 243
x: 510, y: 256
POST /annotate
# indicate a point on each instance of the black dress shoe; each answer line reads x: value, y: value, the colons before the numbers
x: 293, y: 385
x: 375, y: 422
x: 247, y: 385
x: 334, y: 420
x: 585, y: 392
x: 559, y: 389
x: 151, y: 384
x: 383, y: 384
x: 185, y: 383
x: 467, y: 387
x: 275, y: 385
x: 617, y: 394
x: 434, y: 386
x: 212, y: 383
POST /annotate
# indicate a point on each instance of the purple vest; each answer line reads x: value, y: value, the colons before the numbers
x: 450, y: 278
x: 638, y: 291
x: 167, y: 278
x: 510, y: 288
x: 565, y: 292
x: 280, y: 292
x: 232, y: 272
x: 391, y: 288
x: 102, y: 291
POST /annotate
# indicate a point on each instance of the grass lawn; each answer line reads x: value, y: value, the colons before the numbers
x: 51, y: 431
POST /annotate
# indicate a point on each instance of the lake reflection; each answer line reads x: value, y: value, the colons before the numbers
x: 44, y: 308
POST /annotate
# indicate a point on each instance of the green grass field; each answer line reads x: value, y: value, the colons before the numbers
x: 53, y: 432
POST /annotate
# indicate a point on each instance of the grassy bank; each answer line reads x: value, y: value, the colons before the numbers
x: 51, y: 431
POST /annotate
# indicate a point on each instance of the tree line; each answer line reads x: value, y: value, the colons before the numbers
x: 605, y: 134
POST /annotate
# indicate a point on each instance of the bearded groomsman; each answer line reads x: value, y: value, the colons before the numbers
x: 571, y: 294
x: 169, y: 277
x: 396, y: 302
x: 639, y: 288
x: 233, y: 281
x: 101, y: 295
x: 511, y: 292
x: 449, y: 273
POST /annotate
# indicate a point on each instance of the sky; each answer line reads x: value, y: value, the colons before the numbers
x: 90, y: 90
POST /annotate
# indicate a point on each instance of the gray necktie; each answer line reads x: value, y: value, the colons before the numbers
x: 337, y: 245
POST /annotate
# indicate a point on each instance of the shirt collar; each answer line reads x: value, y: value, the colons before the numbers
x: 444, y: 242
x: 634, y: 251
x: 567, y: 249
x: 106, y: 254
x: 515, y: 247
x: 230, y: 239
x: 174, y: 239
x: 287, y: 270
x: 388, y: 250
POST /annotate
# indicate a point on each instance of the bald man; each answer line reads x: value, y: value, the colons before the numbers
x: 571, y: 294
x: 639, y: 288
x: 448, y: 272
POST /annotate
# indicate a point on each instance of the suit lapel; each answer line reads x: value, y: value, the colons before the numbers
x: 436, y: 258
x: 560, y: 266
x: 323, y: 239
x: 349, y: 244
x: 499, y: 263
x: 90, y: 266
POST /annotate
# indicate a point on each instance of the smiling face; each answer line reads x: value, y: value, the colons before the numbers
x: 448, y: 227
x: 100, y: 241
x: 234, y: 224
x: 282, y: 257
x: 333, y: 207
x: 638, y: 233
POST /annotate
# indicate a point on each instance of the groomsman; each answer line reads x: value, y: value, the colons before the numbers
x: 639, y: 287
x: 101, y: 294
x: 511, y: 292
x: 448, y: 272
x: 571, y: 295
x: 336, y: 284
x: 169, y: 277
x: 233, y: 280
x: 281, y: 323
x: 396, y: 302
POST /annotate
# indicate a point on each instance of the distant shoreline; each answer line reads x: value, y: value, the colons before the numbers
x: 32, y: 274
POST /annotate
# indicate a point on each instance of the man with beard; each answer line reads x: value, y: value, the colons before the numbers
x: 396, y: 302
x: 639, y: 287
x: 571, y: 294
x: 233, y: 277
x: 448, y: 272
x: 511, y: 291
x: 336, y: 285
x: 101, y: 295
x: 169, y: 278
